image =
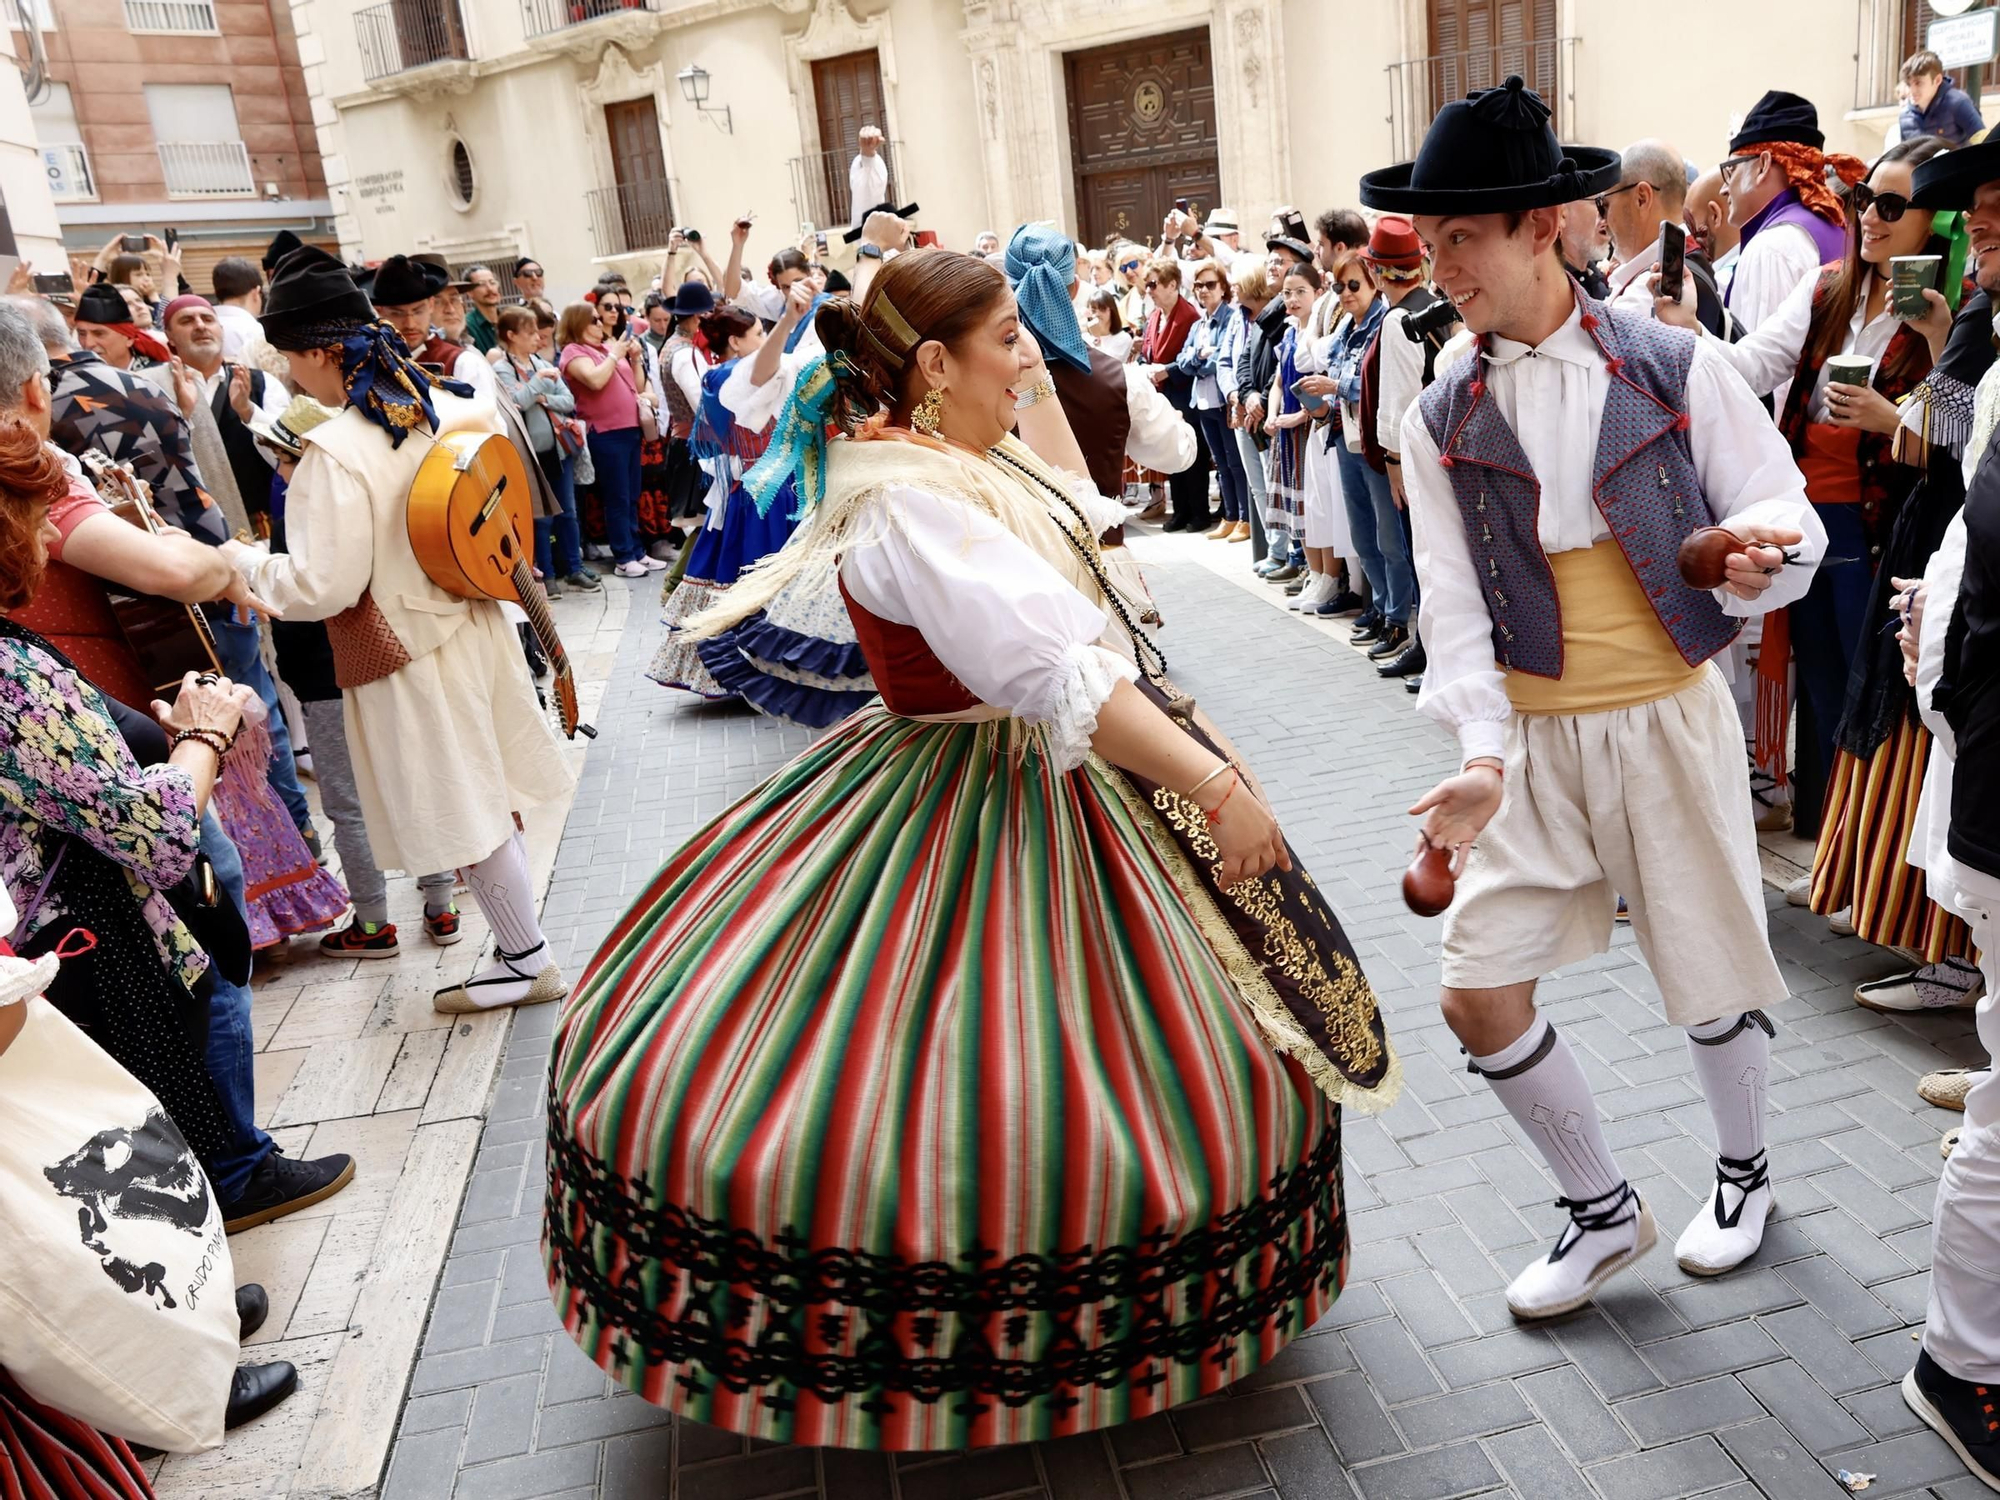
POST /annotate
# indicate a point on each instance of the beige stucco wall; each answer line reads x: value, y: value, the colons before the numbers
x: 975, y: 97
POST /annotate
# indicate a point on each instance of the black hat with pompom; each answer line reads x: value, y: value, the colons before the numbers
x: 1492, y: 152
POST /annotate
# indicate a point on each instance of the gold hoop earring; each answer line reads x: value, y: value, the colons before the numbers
x: 928, y: 414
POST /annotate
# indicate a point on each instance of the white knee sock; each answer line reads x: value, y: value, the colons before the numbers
x: 506, y: 895
x: 1732, y: 1063
x: 1539, y: 1080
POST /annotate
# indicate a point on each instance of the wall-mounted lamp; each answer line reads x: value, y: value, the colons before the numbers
x: 694, y: 89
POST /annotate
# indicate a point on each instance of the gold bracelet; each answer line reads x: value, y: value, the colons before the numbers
x: 1225, y: 766
x: 1035, y: 394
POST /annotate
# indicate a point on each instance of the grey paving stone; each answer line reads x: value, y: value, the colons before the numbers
x: 1301, y: 1360
x: 1146, y: 1439
x: 1237, y: 1418
x: 531, y: 1477
x: 1821, y: 1348
x: 639, y: 1467
x: 1574, y: 1412
x: 1684, y: 1468
x: 1536, y: 1466
x: 1705, y: 1406
x: 1220, y: 1471
x: 1461, y: 1470
x: 1303, y: 1464
x: 589, y: 1421
x: 1426, y: 1309
x: 973, y: 1476
x: 503, y: 1418
x: 433, y: 1413
x: 753, y: 1476
x: 425, y: 1466
x: 1498, y: 1356
x: 1075, y: 1468
x: 1392, y: 1362
x: 459, y: 1318
x: 1845, y: 1302
x: 1741, y: 1294
x: 1803, y: 1405
x: 1463, y: 1414
x: 1601, y: 1352
x: 1713, y: 1351
x: 571, y: 1374
x: 1883, y: 1411
x: 1778, y: 1464
x: 445, y: 1372
x: 1353, y: 1416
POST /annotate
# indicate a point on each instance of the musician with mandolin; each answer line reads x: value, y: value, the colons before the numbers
x: 447, y: 739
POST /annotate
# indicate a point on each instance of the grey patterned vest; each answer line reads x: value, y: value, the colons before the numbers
x: 1644, y: 484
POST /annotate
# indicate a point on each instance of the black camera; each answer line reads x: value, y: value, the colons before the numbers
x: 1431, y: 323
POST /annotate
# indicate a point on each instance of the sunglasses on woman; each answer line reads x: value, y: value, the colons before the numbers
x: 1152, y: 286
x: 1889, y: 207
x: 1352, y: 286
x: 1208, y: 286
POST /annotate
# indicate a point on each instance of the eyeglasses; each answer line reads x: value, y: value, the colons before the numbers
x: 1128, y: 267
x: 1208, y: 286
x: 1738, y: 161
x: 1352, y: 286
x: 1889, y: 207
x: 1152, y: 286
x: 1604, y: 199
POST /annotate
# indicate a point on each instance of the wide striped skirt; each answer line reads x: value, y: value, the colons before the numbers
x: 1862, y: 859
x: 47, y: 1455
x: 912, y: 1106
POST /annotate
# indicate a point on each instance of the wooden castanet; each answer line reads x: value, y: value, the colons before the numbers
x: 1428, y: 884
x: 471, y: 527
x: 1704, y: 556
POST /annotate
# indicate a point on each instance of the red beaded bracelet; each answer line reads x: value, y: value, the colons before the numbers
x: 1214, y: 814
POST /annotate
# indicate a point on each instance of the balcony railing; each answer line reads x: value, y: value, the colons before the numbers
x: 404, y: 34
x: 170, y: 15
x: 819, y: 184
x: 68, y: 166
x: 207, y: 169
x: 545, y: 16
x: 1422, y: 86
x: 631, y: 217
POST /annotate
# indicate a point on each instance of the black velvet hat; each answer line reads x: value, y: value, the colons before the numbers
x: 692, y: 300
x: 102, y: 302
x: 1779, y: 116
x: 1950, y: 181
x: 309, y: 291
x: 400, y: 281
x: 1492, y: 152
x: 283, y: 243
x: 439, y: 271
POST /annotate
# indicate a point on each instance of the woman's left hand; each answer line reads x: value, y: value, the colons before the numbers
x: 1862, y: 407
x: 1935, y: 324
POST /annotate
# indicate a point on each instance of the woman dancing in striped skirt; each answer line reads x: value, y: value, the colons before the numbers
x: 978, y: 1077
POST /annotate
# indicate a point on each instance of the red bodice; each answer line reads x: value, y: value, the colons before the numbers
x: 907, y: 673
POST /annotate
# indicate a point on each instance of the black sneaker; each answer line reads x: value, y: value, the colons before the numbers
x: 1391, y: 643
x: 1367, y: 629
x: 1962, y: 1413
x: 282, y: 1186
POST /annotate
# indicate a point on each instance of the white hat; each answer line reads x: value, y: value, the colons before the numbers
x: 1221, y: 221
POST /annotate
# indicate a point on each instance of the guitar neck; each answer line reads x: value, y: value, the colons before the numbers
x: 535, y: 604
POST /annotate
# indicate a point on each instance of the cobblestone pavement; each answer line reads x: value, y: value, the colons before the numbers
x: 1417, y: 1384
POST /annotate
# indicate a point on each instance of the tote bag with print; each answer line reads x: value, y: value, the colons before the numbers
x: 117, y: 1294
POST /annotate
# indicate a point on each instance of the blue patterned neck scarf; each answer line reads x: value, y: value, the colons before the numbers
x: 388, y: 387
x: 1041, y: 263
x: 798, y: 441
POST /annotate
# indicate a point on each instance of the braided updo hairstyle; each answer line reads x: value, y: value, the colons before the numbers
x: 935, y: 294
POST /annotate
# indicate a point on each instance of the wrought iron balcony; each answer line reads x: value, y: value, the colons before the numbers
x: 403, y: 34
x: 632, y: 217
x: 543, y: 17
x: 68, y: 168
x: 819, y: 184
x: 170, y: 15
x: 1421, y: 86
x: 207, y: 169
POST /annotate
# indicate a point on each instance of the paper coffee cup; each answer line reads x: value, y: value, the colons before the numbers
x: 1910, y: 276
x: 1849, y: 369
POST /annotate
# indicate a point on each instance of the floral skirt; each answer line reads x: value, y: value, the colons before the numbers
x: 656, y: 509
x: 285, y: 890
x: 917, y: 1104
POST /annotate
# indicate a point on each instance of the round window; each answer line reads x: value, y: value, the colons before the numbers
x: 463, y: 182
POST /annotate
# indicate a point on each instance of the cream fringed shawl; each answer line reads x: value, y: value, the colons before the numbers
x: 864, y: 468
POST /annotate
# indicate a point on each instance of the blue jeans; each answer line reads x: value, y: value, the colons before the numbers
x: 1228, y: 463
x: 615, y: 455
x: 237, y: 646
x: 558, y: 468
x: 1380, y: 541
x: 230, y: 1048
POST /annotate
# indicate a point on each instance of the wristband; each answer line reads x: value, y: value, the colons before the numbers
x: 1035, y: 394
x: 1225, y: 766
x: 1214, y: 814
x: 215, y: 739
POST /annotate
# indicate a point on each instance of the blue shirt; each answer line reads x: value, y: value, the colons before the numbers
x: 1951, y: 114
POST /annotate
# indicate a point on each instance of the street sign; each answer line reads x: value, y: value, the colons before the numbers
x: 1966, y: 41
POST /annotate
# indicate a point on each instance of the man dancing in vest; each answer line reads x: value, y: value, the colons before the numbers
x: 446, y: 738
x: 1552, y: 477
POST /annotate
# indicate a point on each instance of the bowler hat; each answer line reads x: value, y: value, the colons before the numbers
x: 310, y: 293
x: 1393, y: 244
x: 1492, y: 152
x: 400, y: 281
x: 1779, y: 116
x: 1950, y: 180
x: 102, y: 302
x: 692, y: 300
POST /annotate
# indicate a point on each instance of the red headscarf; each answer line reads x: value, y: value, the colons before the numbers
x: 1805, y: 169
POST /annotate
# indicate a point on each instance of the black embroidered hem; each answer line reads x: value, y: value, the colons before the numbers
x: 594, y: 1219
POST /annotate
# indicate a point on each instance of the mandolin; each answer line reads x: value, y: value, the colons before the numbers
x: 169, y: 640
x: 470, y: 524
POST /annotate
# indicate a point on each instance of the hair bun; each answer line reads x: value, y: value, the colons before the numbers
x: 863, y: 386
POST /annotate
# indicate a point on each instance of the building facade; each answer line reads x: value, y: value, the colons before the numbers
x: 184, y: 113
x: 582, y: 131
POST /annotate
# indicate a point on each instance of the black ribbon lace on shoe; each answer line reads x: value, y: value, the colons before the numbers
x: 1745, y: 1176
x: 1620, y: 1206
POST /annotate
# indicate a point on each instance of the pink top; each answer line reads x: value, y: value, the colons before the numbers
x: 611, y: 408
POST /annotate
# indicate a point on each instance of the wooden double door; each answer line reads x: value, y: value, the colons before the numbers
x: 1142, y: 133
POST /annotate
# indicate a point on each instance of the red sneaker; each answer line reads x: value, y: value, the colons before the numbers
x: 355, y: 941
x: 442, y: 929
